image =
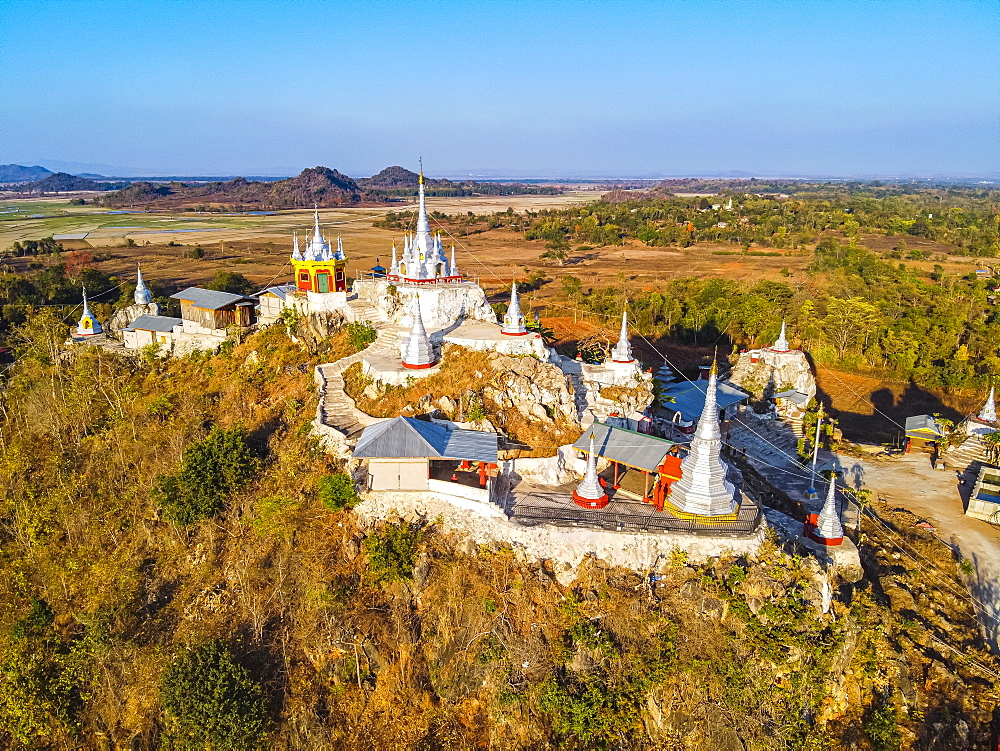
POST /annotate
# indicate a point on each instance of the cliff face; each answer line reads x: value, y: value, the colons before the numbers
x: 764, y: 372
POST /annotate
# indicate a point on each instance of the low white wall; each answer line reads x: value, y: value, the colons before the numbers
x: 462, y: 492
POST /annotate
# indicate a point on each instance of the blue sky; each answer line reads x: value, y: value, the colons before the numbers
x: 583, y: 88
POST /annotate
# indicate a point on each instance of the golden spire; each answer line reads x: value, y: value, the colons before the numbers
x: 421, y: 170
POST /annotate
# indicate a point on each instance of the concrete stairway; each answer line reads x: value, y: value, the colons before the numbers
x: 338, y: 410
x: 971, y: 452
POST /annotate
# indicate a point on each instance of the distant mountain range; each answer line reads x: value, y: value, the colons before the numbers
x: 320, y: 186
x: 15, y: 173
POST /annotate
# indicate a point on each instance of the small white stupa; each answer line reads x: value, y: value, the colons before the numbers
x: 453, y: 271
x: 703, y: 489
x: 417, y: 350
x: 828, y: 529
x: 513, y: 321
x: 142, y: 294
x: 623, y: 350
x: 589, y: 492
x: 88, y: 324
x: 989, y: 411
x: 781, y: 345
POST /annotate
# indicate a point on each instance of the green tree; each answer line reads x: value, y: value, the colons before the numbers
x: 232, y: 282
x: 212, y: 702
x: 211, y: 470
x: 336, y: 491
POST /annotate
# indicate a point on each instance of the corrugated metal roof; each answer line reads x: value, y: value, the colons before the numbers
x: 793, y: 396
x: 689, y: 397
x: 405, y: 437
x: 154, y: 323
x: 923, y: 424
x: 625, y: 446
x: 209, y: 299
x: 281, y: 291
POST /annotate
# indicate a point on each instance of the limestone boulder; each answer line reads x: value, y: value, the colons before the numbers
x: 535, y: 389
x: 124, y: 317
x: 764, y: 372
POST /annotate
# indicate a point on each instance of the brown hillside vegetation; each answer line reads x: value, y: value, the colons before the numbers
x: 335, y: 632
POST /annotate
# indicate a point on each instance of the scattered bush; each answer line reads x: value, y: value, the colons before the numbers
x: 360, y: 335
x: 336, y: 491
x: 211, y: 470
x: 881, y: 725
x: 212, y: 702
x: 392, y: 552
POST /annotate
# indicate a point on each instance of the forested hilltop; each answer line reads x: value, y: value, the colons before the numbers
x: 181, y: 568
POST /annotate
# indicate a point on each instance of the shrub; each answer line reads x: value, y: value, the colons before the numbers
x: 212, y: 702
x: 360, y: 335
x: 336, y: 491
x: 881, y: 725
x: 392, y: 552
x: 211, y: 470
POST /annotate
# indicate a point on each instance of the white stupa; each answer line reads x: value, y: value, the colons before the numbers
x: 88, y: 324
x: 781, y: 345
x: 828, y: 529
x: 623, y: 350
x: 453, y: 271
x: 417, y: 350
x: 423, y: 259
x: 589, y: 492
x: 513, y: 321
x: 703, y: 489
x: 142, y: 294
x: 989, y: 411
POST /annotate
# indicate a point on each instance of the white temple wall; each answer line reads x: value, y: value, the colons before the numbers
x: 441, y: 305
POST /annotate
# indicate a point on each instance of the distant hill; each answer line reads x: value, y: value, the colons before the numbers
x: 399, y: 181
x: 16, y: 173
x: 317, y: 185
x: 60, y: 182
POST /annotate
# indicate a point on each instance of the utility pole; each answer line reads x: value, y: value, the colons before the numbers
x: 812, y: 494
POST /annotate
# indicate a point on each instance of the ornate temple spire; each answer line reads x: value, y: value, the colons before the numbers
x: 394, y: 266
x: 828, y: 526
x: 589, y: 492
x: 417, y: 350
x: 989, y: 411
x: 317, y: 234
x: 703, y: 488
x: 513, y: 321
x: 453, y: 268
x: 296, y: 253
x: 340, y: 249
x: 423, y: 225
x: 781, y: 345
x: 88, y: 324
x: 623, y: 350
x: 142, y: 294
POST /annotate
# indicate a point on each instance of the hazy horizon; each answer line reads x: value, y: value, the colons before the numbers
x: 548, y: 89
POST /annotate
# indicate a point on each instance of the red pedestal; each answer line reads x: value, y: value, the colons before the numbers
x: 590, y: 503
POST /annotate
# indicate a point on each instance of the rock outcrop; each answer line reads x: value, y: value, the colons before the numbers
x: 765, y: 372
x: 440, y: 305
x: 535, y: 389
x: 124, y: 317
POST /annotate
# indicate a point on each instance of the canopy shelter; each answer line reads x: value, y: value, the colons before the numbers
x: 628, y: 450
x: 687, y: 399
x: 922, y: 431
x: 401, y: 452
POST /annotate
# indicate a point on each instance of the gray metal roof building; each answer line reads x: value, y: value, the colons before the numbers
x: 644, y: 452
x: 208, y: 299
x: 408, y: 437
x: 793, y: 396
x: 154, y: 323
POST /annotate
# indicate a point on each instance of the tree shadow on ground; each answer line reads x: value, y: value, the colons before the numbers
x: 890, y: 410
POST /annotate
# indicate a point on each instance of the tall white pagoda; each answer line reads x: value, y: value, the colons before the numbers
x: 827, y: 529
x: 589, y: 493
x: 142, y: 295
x: 703, y: 489
x: 622, y: 353
x: 418, y: 353
x: 989, y: 411
x: 88, y: 325
x: 781, y: 345
x: 513, y: 321
x: 423, y: 260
